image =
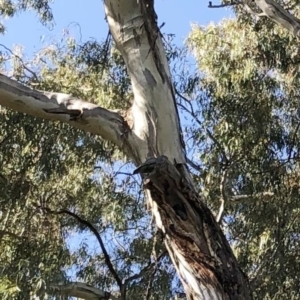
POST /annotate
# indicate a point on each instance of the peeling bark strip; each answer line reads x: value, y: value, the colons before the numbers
x: 197, y: 246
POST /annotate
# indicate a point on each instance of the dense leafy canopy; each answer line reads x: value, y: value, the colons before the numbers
x: 48, y: 166
x: 241, y: 117
x: 251, y: 106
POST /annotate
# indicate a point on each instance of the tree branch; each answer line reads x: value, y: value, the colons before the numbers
x: 210, y: 5
x: 244, y: 198
x: 194, y: 165
x: 62, y: 107
x: 224, y: 198
x: 81, y: 290
x: 221, y: 148
x: 8, y: 233
x: 97, y: 235
x: 279, y: 15
x: 236, y: 198
x: 145, y: 269
x: 186, y: 213
x: 21, y: 61
x: 154, y: 111
x: 270, y: 9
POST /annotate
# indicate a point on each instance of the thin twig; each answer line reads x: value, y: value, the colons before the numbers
x: 242, y: 198
x: 150, y: 283
x: 191, y: 111
x: 145, y: 269
x: 11, y: 234
x: 293, y: 141
x: 210, y: 135
x: 21, y: 60
x: 151, y: 279
x: 226, y: 161
x: 193, y: 165
x: 224, y: 198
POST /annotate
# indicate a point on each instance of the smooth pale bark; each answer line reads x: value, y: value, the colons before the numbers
x: 62, y: 107
x: 80, y: 290
x: 156, y: 124
x: 197, y: 246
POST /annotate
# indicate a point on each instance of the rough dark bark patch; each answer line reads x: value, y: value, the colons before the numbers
x: 191, y: 229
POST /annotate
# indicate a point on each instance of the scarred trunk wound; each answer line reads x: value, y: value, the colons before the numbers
x: 197, y: 246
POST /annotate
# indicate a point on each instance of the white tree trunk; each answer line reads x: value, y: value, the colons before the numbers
x: 196, y: 244
x: 198, y: 248
x: 156, y: 125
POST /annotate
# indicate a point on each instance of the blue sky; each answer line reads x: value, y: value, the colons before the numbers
x: 25, y: 29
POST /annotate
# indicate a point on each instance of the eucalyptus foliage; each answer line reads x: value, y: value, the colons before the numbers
x: 240, y: 111
x: 250, y: 104
x: 50, y: 165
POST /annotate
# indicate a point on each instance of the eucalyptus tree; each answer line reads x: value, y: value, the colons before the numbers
x: 149, y: 129
x: 149, y: 134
